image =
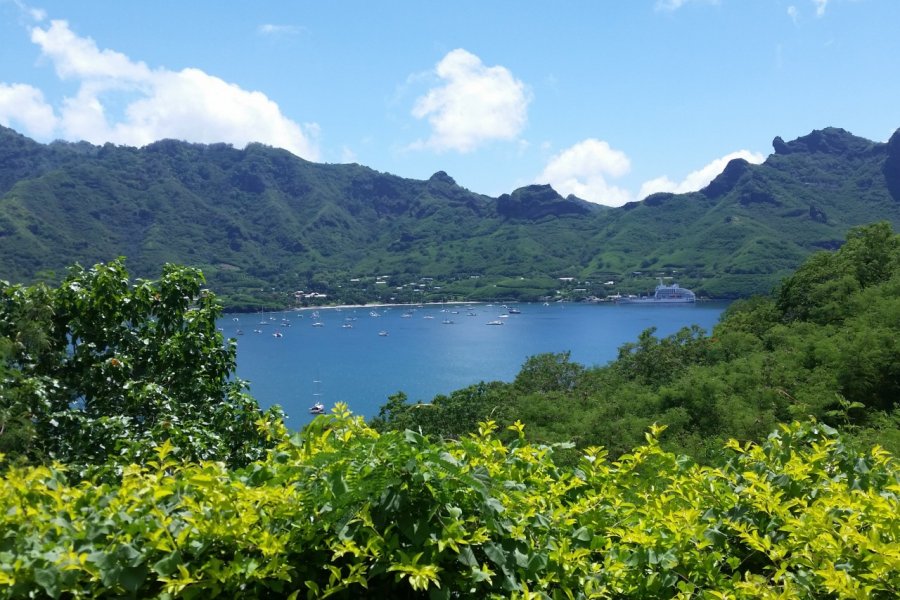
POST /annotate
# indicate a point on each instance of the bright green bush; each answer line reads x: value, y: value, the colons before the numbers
x: 342, y: 511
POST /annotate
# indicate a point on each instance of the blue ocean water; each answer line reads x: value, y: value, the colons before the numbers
x: 363, y: 355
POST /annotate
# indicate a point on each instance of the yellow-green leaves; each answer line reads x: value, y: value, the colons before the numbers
x: 346, y: 513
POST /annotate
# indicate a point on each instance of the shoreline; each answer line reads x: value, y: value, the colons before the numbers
x: 383, y: 305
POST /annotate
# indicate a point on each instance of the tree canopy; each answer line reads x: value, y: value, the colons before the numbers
x: 102, y: 367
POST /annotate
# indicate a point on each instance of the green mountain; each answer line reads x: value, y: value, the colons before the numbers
x: 261, y: 222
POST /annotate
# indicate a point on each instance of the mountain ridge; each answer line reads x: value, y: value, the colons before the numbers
x: 261, y: 218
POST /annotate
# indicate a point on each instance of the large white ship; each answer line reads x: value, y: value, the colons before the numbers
x: 665, y: 294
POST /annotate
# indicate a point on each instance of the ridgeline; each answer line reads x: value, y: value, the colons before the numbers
x: 263, y: 224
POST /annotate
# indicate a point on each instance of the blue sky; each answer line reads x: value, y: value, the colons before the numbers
x: 607, y: 100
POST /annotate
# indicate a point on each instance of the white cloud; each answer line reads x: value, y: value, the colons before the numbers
x: 820, y: 7
x: 583, y: 170
x: 698, y: 179
x: 189, y: 104
x: 35, y: 14
x: 348, y: 155
x: 793, y: 13
x: 586, y: 169
x: 673, y: 5
x: 476, y: 104
x: 23, y: 106
x: 75, y: 57
x: 272, y: 29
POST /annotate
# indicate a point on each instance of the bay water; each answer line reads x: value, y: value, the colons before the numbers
x: 362, y: 355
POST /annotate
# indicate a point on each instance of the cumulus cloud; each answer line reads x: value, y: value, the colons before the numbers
x: 475, y: 104
x: 158, y: 103
x: 583, y: 170
x: 23, y: 106
x: 698, y: 179
x: 75, y: 57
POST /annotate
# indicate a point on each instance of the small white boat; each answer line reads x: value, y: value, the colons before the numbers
x: 317, y: 408
x: 495, y: 322
x: 277, y: 334
x: 318, y: 324
x: 383, y: 333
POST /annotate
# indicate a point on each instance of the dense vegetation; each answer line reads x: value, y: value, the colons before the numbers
x: 262, y: 223
x: 101, y: 369
x: 133, y: 464
x: 826, y: 346
x: 342, y: 512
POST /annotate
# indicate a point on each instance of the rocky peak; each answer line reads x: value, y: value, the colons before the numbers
x: 441, y: 177
x: 727, y: 179
x: 831, y: 140
x: 538, y: 201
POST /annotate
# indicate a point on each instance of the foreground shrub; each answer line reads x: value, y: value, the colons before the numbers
x: 341, y: 511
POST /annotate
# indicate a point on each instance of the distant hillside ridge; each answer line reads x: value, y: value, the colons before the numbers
x: 262, y: 223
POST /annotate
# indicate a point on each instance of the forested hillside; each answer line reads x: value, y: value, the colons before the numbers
x: 824, y: 346
x: 133, y: 465
x: 262, y: 223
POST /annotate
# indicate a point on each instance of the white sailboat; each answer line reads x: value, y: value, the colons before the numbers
x: 318, y: 408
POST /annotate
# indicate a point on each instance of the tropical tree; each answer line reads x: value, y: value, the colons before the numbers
x: 104, y: 367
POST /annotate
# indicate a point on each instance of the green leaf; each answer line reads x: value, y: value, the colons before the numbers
x: 132, y: 578
x: 494, y: 505
x: 582, y: 534
x: 537, y: 562
x: 48, y: 578
x: 715, y: 536
x: 413, y: 437
x: 168, y: 565
x: 496, y: 553
x: 467, y: 557
x: 337, y: 484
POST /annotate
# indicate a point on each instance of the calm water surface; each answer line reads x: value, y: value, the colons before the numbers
x: 422, y: 355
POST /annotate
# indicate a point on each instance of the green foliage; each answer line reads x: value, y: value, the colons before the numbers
x: 546, y: 373
x: 821, y: 288
x: 448, y: 416
x: 100, y: 368
x: 341, y: 511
